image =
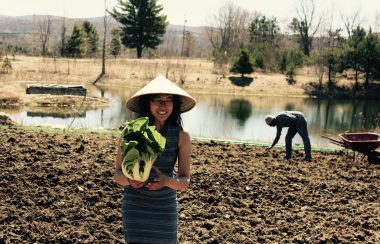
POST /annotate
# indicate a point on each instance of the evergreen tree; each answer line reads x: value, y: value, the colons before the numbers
x: 92, y: 38
x: 331, y: 57
x: 263, y: 33
x: 369, y: 53
x: 76, y: 43
x: 353, y: 55
x: 143, y: 27
x: 243, y: 65
x: 115, y: 46
x: 263, y: 30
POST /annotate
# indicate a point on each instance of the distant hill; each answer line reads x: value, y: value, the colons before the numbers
x: 22, y: 31
x: 24, y: 24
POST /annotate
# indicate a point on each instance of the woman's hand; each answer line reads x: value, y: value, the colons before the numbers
x: 136, y: 184
x: 161, y: 180
x: 122, y: 180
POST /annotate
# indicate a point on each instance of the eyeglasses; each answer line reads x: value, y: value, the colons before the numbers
x: 163, y: 102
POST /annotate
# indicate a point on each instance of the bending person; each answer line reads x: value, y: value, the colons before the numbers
x: 297, y: 124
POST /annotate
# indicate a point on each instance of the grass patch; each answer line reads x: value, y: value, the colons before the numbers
x: 72, y: 131
x: 6, y: 100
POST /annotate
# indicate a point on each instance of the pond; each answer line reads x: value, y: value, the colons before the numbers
x: 228, y: 116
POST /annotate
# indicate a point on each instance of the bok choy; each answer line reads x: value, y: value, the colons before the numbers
x: 141, y: 145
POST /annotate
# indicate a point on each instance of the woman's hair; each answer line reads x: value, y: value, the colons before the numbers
x: 175, y: 117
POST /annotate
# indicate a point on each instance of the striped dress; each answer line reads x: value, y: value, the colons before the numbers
x: 150, y: 216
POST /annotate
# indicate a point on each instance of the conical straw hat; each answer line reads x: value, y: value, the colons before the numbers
x: 161, y: 85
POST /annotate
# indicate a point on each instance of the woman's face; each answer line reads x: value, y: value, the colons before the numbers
x: 161, y: 107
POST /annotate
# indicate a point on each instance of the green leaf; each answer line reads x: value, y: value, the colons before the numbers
x: 127, y: 146
x: 141, y: 145
x: 131, y: 156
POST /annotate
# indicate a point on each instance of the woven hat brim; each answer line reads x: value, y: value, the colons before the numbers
x: 161, y: 85
x: 187, y: 103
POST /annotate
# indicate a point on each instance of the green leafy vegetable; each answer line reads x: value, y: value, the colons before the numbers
x: 141, y: 144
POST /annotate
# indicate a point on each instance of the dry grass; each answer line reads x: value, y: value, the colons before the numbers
x: 62, y: 101
x: 195, y: 75
x: 8, y: 98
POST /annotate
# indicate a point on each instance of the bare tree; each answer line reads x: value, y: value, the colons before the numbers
x: 228, y: 29
x: 331, y: 54
x: 44, y: 34
x: 320, y: 45
x: 103, y: 72
x: 350, y: 22
x: 189, y: 44
x: 63, y: 37
x: 170, y: 45
x: 304, y: 25
x: 326, y: 43
x: 377, y: 22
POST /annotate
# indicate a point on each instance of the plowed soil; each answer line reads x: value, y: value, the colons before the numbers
x: 59, y: 188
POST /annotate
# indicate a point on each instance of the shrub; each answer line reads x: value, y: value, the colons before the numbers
x: 290, y: 73
x: 7, y: 66
x: 220, y: 59
x: 296, y: 58
x: 282, y: 61
x: 259, y: 61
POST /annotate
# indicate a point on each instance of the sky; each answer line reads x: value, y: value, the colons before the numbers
x: 196, y: 12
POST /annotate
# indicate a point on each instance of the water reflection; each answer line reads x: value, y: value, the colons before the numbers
x: 240, y: 109
x: 245, y: 117
x: 228, y: 116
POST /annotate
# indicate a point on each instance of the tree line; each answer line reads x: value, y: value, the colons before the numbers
x: 234, y: 35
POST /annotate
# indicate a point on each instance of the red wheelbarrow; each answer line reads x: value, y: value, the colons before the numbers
x: 365, y: 143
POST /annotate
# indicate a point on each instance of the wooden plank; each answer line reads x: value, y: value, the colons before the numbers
x: 54, y: 89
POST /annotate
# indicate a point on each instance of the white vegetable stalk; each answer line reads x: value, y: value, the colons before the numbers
x: 136, y: 175
x: 141, y: 145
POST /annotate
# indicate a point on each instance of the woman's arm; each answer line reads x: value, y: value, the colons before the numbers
x: 183, y: 179
x: 119, y: 176
x: 184, y: 164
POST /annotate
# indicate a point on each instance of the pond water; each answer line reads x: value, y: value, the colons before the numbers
x: 227, y: 116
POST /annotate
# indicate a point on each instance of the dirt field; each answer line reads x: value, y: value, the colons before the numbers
x: 59, y: 188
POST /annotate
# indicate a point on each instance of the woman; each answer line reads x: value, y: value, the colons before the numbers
x: 150, y: 208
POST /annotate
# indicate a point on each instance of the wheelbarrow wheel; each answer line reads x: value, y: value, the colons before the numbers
x: 374, y: 157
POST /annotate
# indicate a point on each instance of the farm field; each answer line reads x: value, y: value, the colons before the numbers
x: 58, y: 187
x: 62, y: 109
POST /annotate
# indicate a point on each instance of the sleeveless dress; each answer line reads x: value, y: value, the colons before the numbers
x: 150, y: 216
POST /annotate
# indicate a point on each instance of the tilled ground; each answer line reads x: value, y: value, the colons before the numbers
x: 59, y: 188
